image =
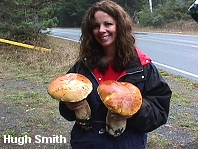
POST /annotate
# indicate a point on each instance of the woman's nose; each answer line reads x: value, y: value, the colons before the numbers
x: 102, y: 29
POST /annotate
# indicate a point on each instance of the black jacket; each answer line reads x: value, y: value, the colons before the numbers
x: 152, y: 114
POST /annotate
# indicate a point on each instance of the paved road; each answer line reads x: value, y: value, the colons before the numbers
x: 174, y: 53
x: 177, y: 54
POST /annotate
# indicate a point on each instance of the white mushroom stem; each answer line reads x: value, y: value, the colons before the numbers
x: 114, y: 127
x: 84, y: 112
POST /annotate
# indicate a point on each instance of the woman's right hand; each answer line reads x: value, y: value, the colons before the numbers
x: 74, y: 105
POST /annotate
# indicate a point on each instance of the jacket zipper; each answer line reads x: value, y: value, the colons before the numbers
x: 129, y: 73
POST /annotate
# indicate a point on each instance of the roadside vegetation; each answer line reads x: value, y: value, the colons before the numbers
x: 27, y: 109
x: 24, y: 20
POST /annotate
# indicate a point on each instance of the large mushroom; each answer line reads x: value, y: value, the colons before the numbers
x: 73, y: 87
x: 122, y: 98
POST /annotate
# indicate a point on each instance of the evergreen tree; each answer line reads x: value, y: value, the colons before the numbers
x: 25, y: 19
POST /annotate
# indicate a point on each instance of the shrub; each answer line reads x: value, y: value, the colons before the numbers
x: 171, y: 11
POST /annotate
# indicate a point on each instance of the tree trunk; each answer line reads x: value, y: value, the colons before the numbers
x: 36, y: 18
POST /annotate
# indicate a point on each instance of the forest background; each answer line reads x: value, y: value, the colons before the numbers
x: 24, y: 20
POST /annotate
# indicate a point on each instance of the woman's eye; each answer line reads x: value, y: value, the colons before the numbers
x: 108, y: 24
x: 95, y: 26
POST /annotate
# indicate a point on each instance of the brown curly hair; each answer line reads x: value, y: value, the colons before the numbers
x: 93, y: 52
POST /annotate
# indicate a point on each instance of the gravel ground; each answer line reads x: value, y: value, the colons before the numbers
x: 178, y: 133
x: 29, y: 118
x: 27, y: 109
x: 182, y: 126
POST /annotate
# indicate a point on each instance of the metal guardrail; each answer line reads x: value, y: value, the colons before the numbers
x: 25, y: 45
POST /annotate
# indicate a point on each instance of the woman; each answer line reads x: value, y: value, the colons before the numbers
x: 108, y: 52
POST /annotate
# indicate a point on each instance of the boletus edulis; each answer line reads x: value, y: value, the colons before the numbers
x: 73, y: 87
x: 122, y: 98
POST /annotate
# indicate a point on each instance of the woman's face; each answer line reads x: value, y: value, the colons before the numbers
x: 104, y: 30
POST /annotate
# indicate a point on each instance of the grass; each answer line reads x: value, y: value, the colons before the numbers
x: 27, y: 109
x: 25, y: 75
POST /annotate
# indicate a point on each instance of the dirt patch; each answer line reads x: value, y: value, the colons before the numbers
x: 27, y: 109
x: 181, y: 27
x: 181, y: 129
x: 19, y: 117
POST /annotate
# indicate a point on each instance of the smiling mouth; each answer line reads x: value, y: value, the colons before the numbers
x: 104, y: 37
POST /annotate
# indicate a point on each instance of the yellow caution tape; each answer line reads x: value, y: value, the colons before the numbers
x: 25, y: 45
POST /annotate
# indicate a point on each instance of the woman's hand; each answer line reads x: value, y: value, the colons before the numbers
x: 74, y: 105
x: 119, y: 117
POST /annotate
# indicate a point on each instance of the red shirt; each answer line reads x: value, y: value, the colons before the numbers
x: 113, y: 75
x: 109, y: 75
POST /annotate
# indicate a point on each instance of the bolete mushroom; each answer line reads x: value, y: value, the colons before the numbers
x: 73, y: 87
x: 122, y: 98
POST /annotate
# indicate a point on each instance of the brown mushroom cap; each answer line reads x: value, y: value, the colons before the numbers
x: 71, y: 87
x: 120, y: 97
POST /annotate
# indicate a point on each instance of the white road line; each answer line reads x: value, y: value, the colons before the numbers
x: 165, y: 66
x: 183, y: 44
x: 178, y: 70
x: 65, y: 38
x: 173, y: 34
